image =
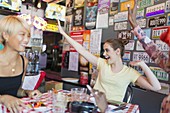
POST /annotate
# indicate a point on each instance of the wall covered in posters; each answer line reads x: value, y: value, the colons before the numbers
x: 111, y: 16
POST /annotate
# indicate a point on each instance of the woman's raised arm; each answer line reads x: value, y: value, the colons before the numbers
x: 80, y: 49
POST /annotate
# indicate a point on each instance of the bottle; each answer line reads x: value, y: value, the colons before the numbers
x: 30, y: 65
x: 36, y: 62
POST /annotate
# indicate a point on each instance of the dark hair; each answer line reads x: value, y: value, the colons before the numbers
x: 117, y: 43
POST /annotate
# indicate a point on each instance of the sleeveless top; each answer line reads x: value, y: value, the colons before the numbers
x: 10, y: 85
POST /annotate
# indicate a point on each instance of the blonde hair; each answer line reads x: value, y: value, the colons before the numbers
x: 11, y: 25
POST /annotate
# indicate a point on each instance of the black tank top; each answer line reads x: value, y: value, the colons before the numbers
x: 10, y: 85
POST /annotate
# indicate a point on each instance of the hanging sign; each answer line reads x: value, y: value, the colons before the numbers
x: 157, y: 21
x: 155, y: 10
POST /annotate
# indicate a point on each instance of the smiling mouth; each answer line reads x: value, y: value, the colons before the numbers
x: 107, y: 57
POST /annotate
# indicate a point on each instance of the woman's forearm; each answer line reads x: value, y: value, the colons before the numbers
x: 150, y: 76
x: 152, y: 50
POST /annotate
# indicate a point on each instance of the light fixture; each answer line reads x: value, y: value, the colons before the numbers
x: 39, y: 4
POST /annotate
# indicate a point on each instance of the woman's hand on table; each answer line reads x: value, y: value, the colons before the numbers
x: 34, y: 93
x: 101, y: 100
x: 13, y: 104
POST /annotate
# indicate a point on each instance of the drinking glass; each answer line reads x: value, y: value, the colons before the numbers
x: 78, y: 94
x: 59, y: 101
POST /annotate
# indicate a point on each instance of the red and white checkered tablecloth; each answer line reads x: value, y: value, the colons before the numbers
x: 46, y: 98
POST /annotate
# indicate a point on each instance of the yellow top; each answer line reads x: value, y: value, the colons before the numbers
x: 114, y: 85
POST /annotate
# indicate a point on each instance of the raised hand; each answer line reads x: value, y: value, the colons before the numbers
x: 132, y: 15
x: 136, y: 63
x: 13, y: 104
x: 60, y: 28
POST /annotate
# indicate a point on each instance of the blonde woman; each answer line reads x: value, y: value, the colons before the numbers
x: 14, y: 36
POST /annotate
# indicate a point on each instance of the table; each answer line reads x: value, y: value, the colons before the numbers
x: 46, y: 98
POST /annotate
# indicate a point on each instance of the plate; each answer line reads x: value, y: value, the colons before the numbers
x: 42, y: 109
x: 75, y: 80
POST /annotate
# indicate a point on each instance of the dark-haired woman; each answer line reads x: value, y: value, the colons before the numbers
x: 113, y: 76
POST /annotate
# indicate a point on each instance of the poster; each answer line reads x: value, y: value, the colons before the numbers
x: 91, y: 16
x: 114, y: 4
x: 77, y: 36
x: 73, y: 61
x: 102, y: 14
x: 78, y: 17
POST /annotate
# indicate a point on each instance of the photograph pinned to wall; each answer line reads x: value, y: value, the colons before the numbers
x: 91, y: 3
x: 167, y: 6
x: 145, y: 3
x: 15, y: 5
x: 79, y: 3
x: 120, y: 26
x: 126, y: 56
x: 157, y: 21
x: 124, y: 5
x: 102, y: 14
x: 91, y: 16
x: 141, y: 56
x: 160, y: 73
x: 130, y: 45
x: 146, y: 31
x: 78, y: 17
x: 69, y: 21
x: 113, y: 7
x: 156, y: 32
x: 155, y: 10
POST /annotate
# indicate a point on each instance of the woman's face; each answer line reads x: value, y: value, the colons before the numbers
x: 19, y: 40
x: 109, y: 54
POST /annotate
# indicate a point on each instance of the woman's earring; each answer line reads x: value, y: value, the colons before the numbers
x: 1, y: 46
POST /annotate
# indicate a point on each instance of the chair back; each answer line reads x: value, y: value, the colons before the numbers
x: 129, y: 94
